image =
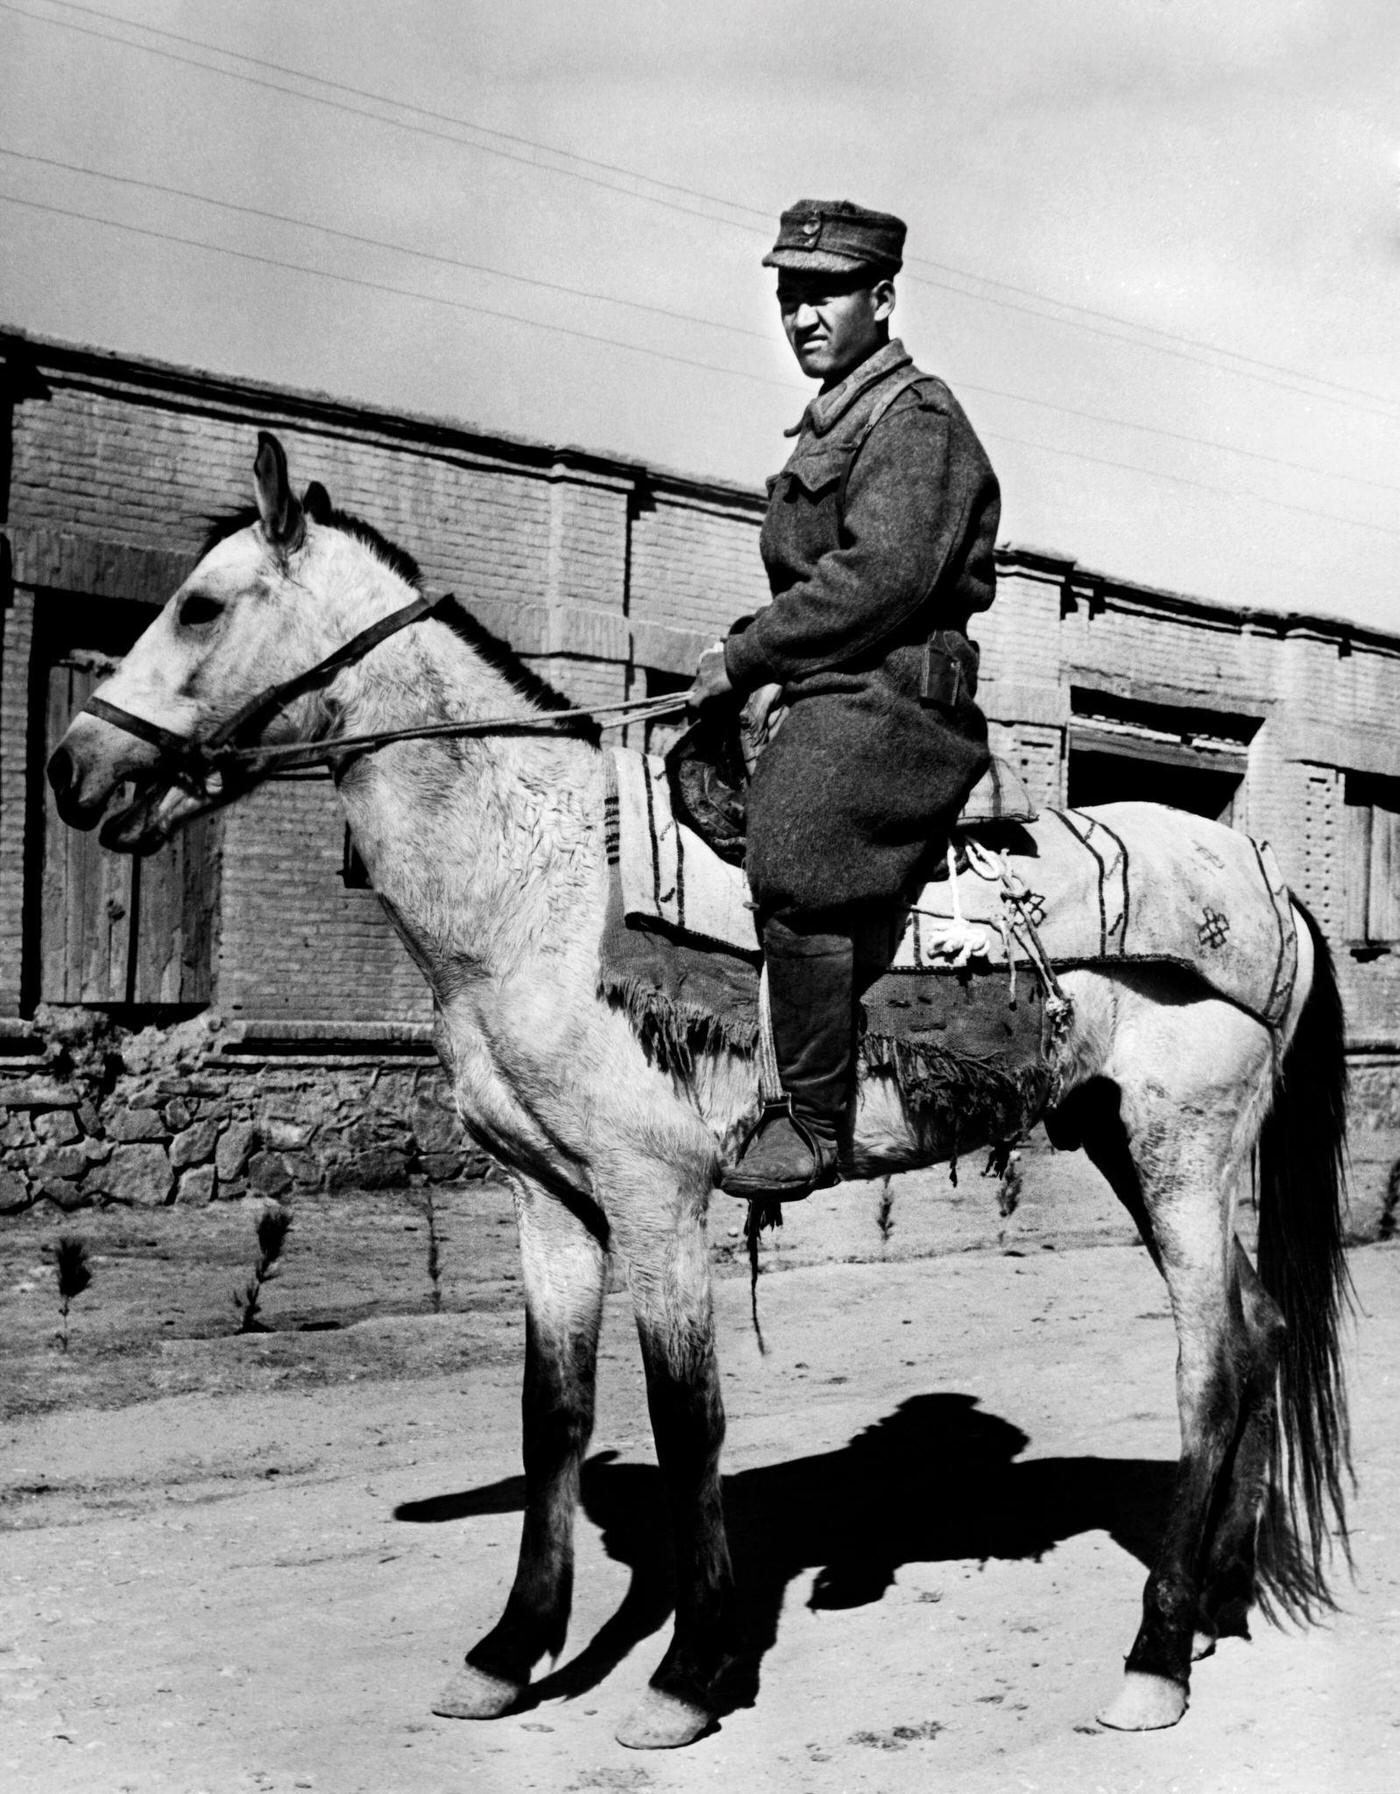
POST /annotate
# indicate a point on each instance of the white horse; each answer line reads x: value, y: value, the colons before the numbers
x: 488, y: 855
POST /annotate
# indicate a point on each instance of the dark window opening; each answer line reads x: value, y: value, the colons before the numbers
x: 353, y: 873
x: 1371, y: 845
x: 1098, y: 777
x: 1180, y: 723
x: 1136, y: 750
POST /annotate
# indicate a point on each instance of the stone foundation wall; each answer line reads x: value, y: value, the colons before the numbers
x: 1375, y: 1092
x: 99, y: 1115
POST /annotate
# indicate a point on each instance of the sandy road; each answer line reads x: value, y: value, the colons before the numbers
x: 942, y: 1479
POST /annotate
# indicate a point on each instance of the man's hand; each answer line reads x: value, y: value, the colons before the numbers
x: 711, y: 678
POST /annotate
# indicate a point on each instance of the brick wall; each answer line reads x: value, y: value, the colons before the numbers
x: 694, y: 567
x: 295, y: 943
x: 134, y: 467
x: 608, y: 578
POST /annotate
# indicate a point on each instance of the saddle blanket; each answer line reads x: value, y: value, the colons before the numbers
x: 1120, y: 883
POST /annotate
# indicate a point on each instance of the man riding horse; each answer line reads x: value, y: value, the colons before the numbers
x: 878, y: 543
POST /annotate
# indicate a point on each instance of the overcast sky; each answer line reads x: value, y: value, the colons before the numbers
x: 1154, y: 244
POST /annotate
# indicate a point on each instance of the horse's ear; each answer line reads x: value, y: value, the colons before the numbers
x: 277, y: 503
x: 316, y: 502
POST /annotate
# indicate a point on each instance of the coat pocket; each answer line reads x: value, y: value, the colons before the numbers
x: 816, y: 470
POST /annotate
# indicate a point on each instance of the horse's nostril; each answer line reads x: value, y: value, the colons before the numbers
x: 60, y: 771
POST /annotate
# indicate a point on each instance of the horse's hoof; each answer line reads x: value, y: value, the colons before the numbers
x: 472, y: 1694
x: 663, y: 1722
x: 1202, y: 1645
x: 1144, y: 1704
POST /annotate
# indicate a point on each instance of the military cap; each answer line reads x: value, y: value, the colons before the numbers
x: 834, y: 236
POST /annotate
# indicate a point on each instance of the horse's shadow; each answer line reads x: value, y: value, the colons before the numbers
x: 935, y: 1481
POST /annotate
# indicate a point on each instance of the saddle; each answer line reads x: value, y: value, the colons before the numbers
x: 709, y: 768
x: 976, y: 1052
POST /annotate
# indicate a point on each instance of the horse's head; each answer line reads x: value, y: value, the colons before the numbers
x: 241, y: 622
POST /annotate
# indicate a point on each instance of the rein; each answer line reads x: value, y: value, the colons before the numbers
x: 197, y: 761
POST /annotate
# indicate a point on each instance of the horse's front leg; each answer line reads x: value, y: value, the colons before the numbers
x: 661, y: 1231
x: 563, y: 1262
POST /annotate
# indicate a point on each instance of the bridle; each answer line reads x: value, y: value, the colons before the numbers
x: 194, y: 763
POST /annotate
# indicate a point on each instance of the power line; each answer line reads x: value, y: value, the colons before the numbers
x: 1183, y: 352
x: 655, y: 354
x: 1205, y: 442
x: 427, y: 255
x: 363, y: 93
x: 378, y: 286
x: 1284, y: 385
x: 1171, y: 336
x: 1181, y: 479
x: 683, y: 317
x: 316, y: 99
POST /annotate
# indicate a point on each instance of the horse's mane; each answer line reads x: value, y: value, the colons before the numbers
x: 393, y: 557
x: 502, y: 658
x: 496, y: 652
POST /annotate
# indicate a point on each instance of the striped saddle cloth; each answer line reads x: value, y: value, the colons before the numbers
x: 1124, y: 883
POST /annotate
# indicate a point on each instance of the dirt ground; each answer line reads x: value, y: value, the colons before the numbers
x: 248, y: 1562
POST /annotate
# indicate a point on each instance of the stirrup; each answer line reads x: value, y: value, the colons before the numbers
x: 781, y: 1183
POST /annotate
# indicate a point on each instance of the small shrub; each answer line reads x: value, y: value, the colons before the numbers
x: 274, y: 1224
x: 434, y: 1253
x: 1012, y: 1183
x: 74, y: 1275
x: 884, y: 1211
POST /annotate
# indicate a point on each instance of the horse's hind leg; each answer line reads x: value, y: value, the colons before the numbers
x: 563, y: 1262
x: 1228, y: 1583
x: 659, y: 1224
x: 1176, y: 1164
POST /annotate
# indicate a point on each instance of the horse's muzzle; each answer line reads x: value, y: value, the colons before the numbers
x: 95, y: 765
x: 66, y: 782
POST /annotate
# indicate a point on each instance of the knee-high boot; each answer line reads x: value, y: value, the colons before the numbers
x: 795, y: 1147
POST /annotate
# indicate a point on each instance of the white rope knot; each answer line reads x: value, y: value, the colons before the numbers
x: 953, y: 937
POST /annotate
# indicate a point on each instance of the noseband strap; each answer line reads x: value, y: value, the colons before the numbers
x: 196, y: 759
x: 165, y: 739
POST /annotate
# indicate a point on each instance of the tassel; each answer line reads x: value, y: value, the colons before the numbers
x: 762, y: 1213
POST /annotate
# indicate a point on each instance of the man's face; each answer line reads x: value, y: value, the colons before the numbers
x: 833, y: 321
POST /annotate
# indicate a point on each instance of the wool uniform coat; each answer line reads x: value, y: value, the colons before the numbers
x: 878, y: 546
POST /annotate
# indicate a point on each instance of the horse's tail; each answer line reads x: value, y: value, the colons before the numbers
x: 1302, y: 1264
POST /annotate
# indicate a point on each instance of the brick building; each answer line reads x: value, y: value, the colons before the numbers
x: 236, y: 1012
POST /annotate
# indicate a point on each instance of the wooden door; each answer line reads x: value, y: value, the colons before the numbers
x: 113, y: 929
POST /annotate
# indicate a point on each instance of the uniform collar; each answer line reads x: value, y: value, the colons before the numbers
x: 827, y: 407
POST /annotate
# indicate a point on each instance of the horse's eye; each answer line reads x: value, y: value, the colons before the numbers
x: 198, y: 609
